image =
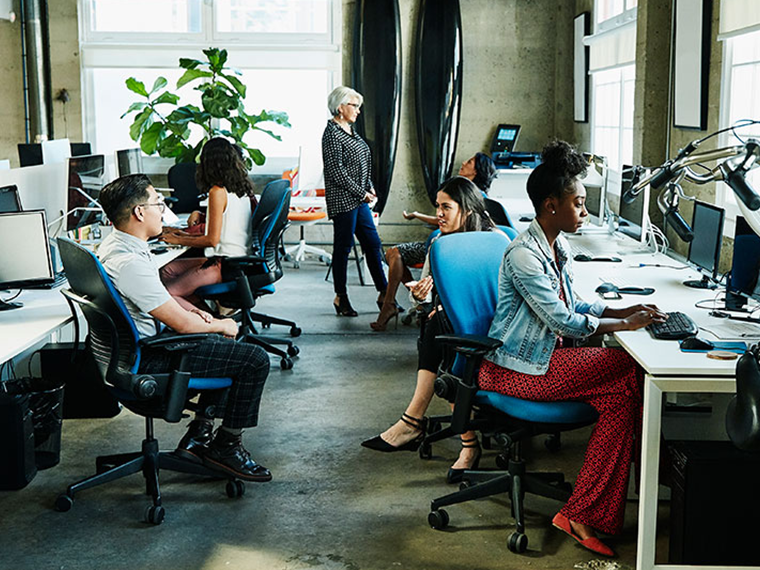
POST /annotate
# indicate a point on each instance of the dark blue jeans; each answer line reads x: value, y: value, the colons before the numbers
x: 357, y: 222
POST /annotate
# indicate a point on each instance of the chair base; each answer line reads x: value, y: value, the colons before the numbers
x: 150, y: 461
x: 297, y: 253
x: 516, y: 482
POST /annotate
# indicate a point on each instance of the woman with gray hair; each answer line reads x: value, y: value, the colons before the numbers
x: 348, y: 193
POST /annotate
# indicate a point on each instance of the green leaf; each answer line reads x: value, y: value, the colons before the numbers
x: 160, y: 83
x: 257, y: 156
x: 134, y: 107
x: 151, y: 137
x: 192, y: 74
x: 136, y: 86
x: 279, y: 117
x: 218, y: 103
x: 170, y: 147
x: 270, y: 133
x: 138, y: 125
x: 166, y: 97
x: 186, y: 63
x: 236, y: 83
x: 216, y: 57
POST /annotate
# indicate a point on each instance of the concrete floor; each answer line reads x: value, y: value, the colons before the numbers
x: 332, y: 505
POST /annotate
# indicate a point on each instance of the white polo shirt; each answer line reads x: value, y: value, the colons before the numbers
x: 134, y: 272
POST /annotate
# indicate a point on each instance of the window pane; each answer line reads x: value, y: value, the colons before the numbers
x: 746, y: 48
x: 606, y: 9
x: 272, y: 16
x: 147, y: 16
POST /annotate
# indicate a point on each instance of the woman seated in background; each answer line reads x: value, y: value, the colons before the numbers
x: 481, y: 170
x: 460, y: 208
x: 221, y: 173
x: 536, y: 309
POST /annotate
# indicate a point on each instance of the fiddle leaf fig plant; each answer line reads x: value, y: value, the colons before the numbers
x: 162, y: 125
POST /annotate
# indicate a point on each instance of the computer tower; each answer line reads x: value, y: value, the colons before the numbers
x: 85, y: 396
x: 715, y: 504
x: 17, y: 465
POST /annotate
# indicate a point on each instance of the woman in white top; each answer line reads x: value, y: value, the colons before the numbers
x: 221, y: 173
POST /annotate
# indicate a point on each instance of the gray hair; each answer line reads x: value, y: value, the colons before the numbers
x: 340, y: 96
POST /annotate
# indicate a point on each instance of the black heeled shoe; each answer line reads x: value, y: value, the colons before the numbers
x: 456, y: 475
x: 379, y: 444
x: 381, y: 300
x: 343, y: 308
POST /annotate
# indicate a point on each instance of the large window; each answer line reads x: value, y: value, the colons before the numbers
x: 287, y: 50
x: 613, y: 71
x: 740, y: 100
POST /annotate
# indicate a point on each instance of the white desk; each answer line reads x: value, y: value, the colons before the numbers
x: 667, y: 368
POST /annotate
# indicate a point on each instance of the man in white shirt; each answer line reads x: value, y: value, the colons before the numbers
x: 134, y: 207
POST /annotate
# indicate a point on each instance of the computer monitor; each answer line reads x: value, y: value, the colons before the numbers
x: 634, y: 217
x: 86, y: 179
x: 31, y: 154
x: 745, y: 266
x: 9, y: 199
x: 129, y: 161
x: 704, y: 249
x: 28, y: 262
x: 505, y: 138
x: 81, y: 149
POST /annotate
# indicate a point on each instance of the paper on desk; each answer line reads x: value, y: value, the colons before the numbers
x: 169, y: 217
x: 733, y: 330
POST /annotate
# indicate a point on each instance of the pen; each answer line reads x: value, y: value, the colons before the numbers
x: 636, y: 265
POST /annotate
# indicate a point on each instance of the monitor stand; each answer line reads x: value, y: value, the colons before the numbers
x: 703, y: 283
x: 10, y: 305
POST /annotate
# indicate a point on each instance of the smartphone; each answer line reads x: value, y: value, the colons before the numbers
x: 610, y: 295
x: 410, y: 284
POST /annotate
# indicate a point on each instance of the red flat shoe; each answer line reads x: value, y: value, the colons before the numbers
x: 593, y: 544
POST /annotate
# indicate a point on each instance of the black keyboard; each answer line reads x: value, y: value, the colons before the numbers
x: 677, y: 327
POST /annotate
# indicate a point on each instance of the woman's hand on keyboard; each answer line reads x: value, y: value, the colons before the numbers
x: 630, y: 318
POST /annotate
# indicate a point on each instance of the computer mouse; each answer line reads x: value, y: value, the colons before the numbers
x: 582, y: 257
x: 159, y: 250
x: 696, y: 343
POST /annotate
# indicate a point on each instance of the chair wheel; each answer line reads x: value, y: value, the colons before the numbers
x: 438, y: 519
x: 553, y: 443
x: 235, y: 488
x: 63, y: 503
x: 426, y: 451
x: 154, y: 514
x: 295, y: 331
x: 286, y: 363
x: 517, y: 542
x: 293, y: 350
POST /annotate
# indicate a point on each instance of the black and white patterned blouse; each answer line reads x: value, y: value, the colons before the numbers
x: 348, y: 165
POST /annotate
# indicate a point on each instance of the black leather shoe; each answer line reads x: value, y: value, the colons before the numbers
x: 377, y: 443
x: 343, y: 308
x: 456, y: 475
x: 195, y: 442
x: 227, y: 455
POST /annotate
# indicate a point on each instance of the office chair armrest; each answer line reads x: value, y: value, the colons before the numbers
x: 469, y: 343
x: 243, y: 261
x: 174, y: 341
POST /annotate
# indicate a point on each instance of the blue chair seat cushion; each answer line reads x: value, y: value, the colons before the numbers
x: 216, y: 289
x: 539, y: 412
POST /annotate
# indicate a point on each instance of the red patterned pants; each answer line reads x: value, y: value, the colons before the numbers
x: 611, y: 382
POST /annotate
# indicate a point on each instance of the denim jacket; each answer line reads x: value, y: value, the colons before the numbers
x: 530, y: 315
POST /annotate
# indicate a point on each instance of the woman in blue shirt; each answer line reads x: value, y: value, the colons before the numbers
x: 535, y: 311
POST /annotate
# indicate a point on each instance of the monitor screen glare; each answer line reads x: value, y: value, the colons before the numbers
x: 633, y: 216
x: 28, y: 261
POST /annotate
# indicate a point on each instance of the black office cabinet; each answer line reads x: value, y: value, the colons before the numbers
x: 715, y: 504
x: 17, y: 467
x: 85, y: 396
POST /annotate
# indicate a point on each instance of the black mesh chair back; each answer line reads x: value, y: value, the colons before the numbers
x: 182, y: 180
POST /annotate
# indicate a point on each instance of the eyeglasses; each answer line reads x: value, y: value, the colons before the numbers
x: 355, y: 105
x: 161, y: 206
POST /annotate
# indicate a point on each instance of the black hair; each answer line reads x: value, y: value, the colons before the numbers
x: 119, y: 197
x: 485, y: 171
x: 222, y: 165
x: 560, y: 167
x: 470, y: 200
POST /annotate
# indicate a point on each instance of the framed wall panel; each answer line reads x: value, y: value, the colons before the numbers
x: 691, y: 63
x: 580, y: 67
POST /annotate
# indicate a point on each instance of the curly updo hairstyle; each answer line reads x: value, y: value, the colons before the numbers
x: 222, y: 165
x: 560, y: 167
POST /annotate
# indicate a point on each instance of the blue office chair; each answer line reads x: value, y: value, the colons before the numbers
x: 498, y: 213
x: 114, y: 342
x: 246, y: 278
x: 465, y: 270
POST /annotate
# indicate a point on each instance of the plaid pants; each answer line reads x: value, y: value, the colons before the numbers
x: 219, y: 357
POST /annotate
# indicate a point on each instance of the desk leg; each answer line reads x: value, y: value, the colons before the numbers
x: 650, y: 463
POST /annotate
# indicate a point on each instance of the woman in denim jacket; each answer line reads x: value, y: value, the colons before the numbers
x: 536, y: 309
